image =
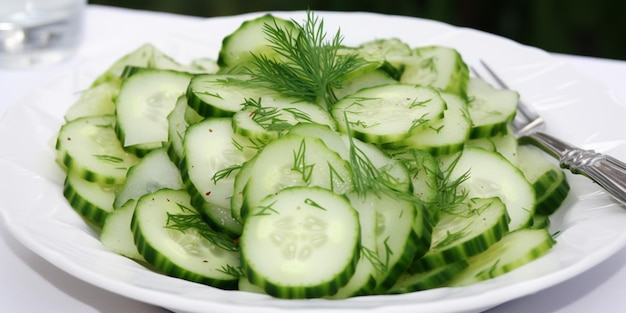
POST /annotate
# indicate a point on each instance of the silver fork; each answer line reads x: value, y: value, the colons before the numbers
x: 606, y: 171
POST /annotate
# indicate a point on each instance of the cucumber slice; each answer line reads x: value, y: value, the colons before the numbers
x: 390, y: 53
x: 465, y: 230
x: 145, y: 100
x: 89, y: 148
x: 490, y: 109
x: 509, y: 184
x: 514, y: 250
x: 550, y: 182
x: 387, y: 113
x: 147, y: 55
x: 395, y: 173
x: 116, y: 235
x: 214, y: 95
x: 153, y: 172
x: 445, y: 136
x: 96, y: 100
x: 270, y: 117
x: 171, y: 236
x: 503, y: 143
x: 301, y: 242
x: 92, y: 201
x: 213, y: 154
x: 437, y: 66
x: 250, y: 37
x: 294, y: 160
x: 365, y: 79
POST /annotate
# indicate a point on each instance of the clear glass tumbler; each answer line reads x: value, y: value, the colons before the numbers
x: 38, y: 33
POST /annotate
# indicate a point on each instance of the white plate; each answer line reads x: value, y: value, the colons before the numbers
x: 590, y: 227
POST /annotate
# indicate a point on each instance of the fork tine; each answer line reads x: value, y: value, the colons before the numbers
x: 527, y: 118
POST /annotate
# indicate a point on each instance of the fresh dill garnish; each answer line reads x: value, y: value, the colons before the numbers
x: 309, y: 66
x: 108, y: 158
x: 274, y: 118
x: 225, y: 173
x: 449, y: 193
x: 232, y: 271
x: 313, y: 203
x: 299, y: 162
x: 374, y: 259
x: 191, y: 220
x: 452, y: 237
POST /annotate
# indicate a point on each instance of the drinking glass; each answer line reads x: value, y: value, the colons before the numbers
x: 38, y: 33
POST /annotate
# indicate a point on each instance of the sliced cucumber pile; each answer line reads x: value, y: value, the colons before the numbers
x: 298, y: 167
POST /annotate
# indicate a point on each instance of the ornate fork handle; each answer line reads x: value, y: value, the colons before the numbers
x: 606, y: 171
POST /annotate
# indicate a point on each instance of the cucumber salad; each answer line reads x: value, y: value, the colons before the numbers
x: 299, y: 167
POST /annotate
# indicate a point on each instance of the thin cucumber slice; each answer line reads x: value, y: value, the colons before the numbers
x: 433, y: 278
x: 92, y: 201
x: 490, y: 109
x: 172, y: 237
x: 548, y: 179
x: 301, y: 242
x: 294, y: 160
x: 387, y: 113
x: 514, y: 250
x: 465, y: 230
x: 390, y: 53
x: 145, y: 100
x: 366, y: 79
x: 269, y: 117
x: 147, y: 55
x: 213, y: 154
x: 214, y: 95
x: 153, y: 172
x: 437, y: 66
x: 250, y: 37
x: 489, y: 174
x: 503, y: 143
x: 444, y: 136
x: 96, y: 100
x: 116, y: 234
x: 89, y: 148
x: 395, y: 173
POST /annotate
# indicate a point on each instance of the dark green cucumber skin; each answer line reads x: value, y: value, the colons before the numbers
x: 434, y: 278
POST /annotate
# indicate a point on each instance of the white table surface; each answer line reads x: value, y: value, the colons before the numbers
x: 29, y: 283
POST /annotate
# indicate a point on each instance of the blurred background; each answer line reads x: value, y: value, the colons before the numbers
x: 582, y: 27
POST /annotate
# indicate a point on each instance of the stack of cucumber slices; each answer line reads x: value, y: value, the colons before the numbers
x: 298, y: 167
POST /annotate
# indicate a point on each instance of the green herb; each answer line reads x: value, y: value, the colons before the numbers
x: 449, y: 194
x: 299, y: 162
x: 313, y: 203
x: 224, y: 173
x: 191, y: 220
x: 108, y: 158
x: 309, y: 65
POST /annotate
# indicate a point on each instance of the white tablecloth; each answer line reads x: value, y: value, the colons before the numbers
x: 28, y: 283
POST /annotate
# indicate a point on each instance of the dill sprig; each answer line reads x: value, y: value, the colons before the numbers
x: 191, y: 220
x: 309, y: 66
x: 449, y: 194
